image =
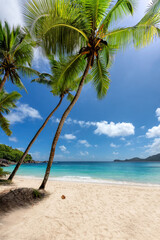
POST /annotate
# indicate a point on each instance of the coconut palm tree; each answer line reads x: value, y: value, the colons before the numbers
x: 65, y: 88
x: 7, y: 102
x: 88, y: 27
x: 16, y: 53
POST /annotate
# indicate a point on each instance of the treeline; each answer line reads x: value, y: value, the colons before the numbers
x: 11, y: 154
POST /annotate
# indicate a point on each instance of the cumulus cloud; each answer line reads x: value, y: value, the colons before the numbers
x: 13, y: 139
x: 22, y: 112
x: 115, y: 129
x: 69, y: 136
x: 10, y: 11
x: 63, y: 149
x: 110, y: 129
x: 85, y: 143
x: 153, y: 132
x: 84, y: 153
x: 154, y: 148
x: 158, y: 113
x: 114, y: 145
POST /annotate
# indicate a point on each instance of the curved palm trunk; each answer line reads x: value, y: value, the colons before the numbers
x: 33, y: 140
x: 59, y: 129
x: 3, y: 81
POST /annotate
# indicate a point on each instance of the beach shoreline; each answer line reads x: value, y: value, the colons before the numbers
x: 89, y: 180
x: 90, y: 211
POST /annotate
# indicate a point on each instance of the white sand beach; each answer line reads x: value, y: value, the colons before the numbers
x: 89, y: 212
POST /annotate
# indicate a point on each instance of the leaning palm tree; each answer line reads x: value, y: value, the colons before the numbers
x: 16, y: 53
x: 7, y: 102
x: 87, y: 27
x: 65, y: 88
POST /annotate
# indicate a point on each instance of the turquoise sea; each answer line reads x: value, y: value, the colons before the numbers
x: 100, y: 172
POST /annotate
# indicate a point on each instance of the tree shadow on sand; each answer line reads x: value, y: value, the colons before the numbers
x: 18, y: 198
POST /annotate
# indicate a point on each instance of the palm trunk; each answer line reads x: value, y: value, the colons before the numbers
x: 59, y: 129
x: 3, y: 81
x: 33, y: 140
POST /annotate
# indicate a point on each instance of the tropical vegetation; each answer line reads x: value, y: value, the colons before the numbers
x: 13, y: 155
x: 3, y: 173
x: 87, y: 31
x: 7, y: 102
x: 16, y: 54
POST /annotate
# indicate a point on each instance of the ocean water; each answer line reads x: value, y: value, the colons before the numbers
x: 100, y: 172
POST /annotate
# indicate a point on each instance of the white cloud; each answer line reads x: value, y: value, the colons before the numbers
x: 63, y: 149
x: 85, y: 143
x: 110, y: 129
x: 22, y: 112
x: 128, y: 144
x: 158, y: 113
x: 115, y: 153
x: 69, y: 136
x: 154, y: 148
x: 13, y: 139
x: 21, y: 149
x: 153, y: 132
x: 10, y: 11
x: 114, y: 145
x: 115, y: 129
x: 143, y: 127
x: 84, y: 153
x: 122, y: 139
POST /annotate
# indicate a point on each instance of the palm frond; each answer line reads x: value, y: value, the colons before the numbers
x: 95, y: 11
x: 100, y: 78
x: 118, y: 11
x: 153, y: 7
x: 28, y: 71
x: 4, y: 124
x: 8, y: 100
x: 70, y: 97
x: 120, y: 38
x: 58, y: 24
x: 43, y: 78
x: 66, y: 70
x: 148, y: 27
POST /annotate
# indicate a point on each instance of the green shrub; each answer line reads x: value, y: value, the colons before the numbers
x: 11, y: 154
x: 3, y: 173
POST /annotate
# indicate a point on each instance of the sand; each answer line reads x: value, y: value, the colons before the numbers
x: 89, y: 212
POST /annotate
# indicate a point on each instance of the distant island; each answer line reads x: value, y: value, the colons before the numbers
x: 154, y: 158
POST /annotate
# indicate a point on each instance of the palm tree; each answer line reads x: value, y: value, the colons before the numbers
x: 87, y: 27
x: 16, y: 53
x: 7, y: 102
x: 65, y: 88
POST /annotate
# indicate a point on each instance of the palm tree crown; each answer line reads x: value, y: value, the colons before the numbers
x: 88, y: 28
x: 16, y: 53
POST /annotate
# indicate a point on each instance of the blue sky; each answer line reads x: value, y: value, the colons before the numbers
x: 125, y: 124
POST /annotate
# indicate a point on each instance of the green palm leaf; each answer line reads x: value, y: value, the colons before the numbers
x: 4, y: 124
x: 16, y: 52
x: 118, y: 11
x: 100, y: 78
x: 7, y: 102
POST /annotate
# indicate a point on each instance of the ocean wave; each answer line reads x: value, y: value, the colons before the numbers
x: 82, y: 179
